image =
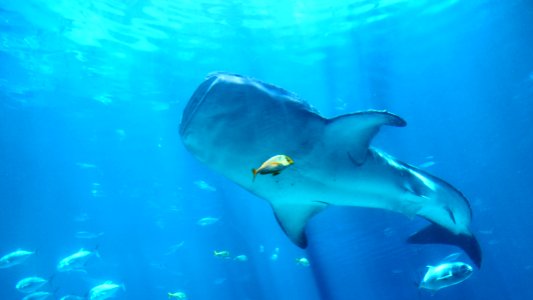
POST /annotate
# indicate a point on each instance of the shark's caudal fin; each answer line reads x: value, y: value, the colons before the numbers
x: 293, y: 217
x: 435, y: 234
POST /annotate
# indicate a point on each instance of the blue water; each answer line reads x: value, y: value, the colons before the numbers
x: 91, y: 99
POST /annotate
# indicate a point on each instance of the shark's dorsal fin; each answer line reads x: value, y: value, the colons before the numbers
x: 293, y: 217
x: 352, y: 133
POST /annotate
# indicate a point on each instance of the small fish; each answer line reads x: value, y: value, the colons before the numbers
x: 486, y: 231
x: 207, y: 221
x: 105, y: 290
x: 221, y: 254
x: 83, y: 165
x: 121, y: 134
x: 159, y: 106
x: 426, y: 164
x: 96, y: 190
x: 83, y: 217
x: 172, y: 249
x: 302, y: 261
x: 275, y: 255
x: 158, y: 265
x: 88, y: 235
x: 177, y: 295
x: 205, y: 186
x: 340, y: 104
x: 273, y: 165
x: 445, y: 275
x: 76, y: 261
x: 71, y: 297
x: 37, y: 296
x: 241, y: 257
x: 30, y: 284
x: 15, y: 258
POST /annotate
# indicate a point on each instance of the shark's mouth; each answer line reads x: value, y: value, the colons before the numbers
x: 196, y: 101
x: 221, y: 86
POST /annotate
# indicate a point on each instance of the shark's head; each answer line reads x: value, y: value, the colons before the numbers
x: 228, y: 93
x: 227, y: 111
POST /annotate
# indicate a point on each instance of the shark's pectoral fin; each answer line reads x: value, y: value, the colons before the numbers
x: 435, y: 234
x: 352, y: 133
x: 293, y: 217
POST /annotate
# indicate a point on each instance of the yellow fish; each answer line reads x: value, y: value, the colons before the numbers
x: 273, y: 165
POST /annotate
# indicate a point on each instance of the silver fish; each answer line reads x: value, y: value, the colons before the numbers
x: 15, y: 258
x: 30, y: 284
x: 445, y: 275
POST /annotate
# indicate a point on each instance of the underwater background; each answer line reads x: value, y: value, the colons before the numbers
x: 92, y: 94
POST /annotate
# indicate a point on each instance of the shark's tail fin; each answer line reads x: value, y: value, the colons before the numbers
x: 435, y: 234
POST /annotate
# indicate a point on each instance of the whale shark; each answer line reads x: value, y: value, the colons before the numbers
x: 233, y: 123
